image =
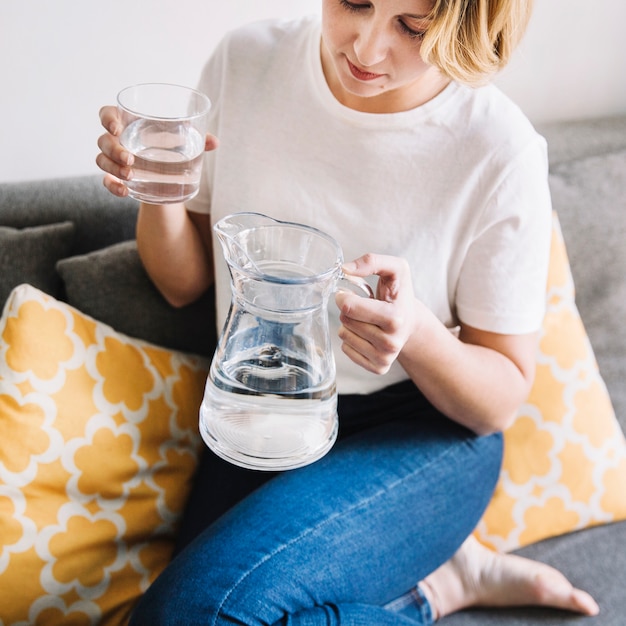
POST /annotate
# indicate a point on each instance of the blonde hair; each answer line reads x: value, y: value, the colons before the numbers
x: 470, y: 40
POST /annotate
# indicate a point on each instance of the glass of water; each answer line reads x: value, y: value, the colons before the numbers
x: 164, y: 128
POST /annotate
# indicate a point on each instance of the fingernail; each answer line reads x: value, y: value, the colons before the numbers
x: 127, y: 158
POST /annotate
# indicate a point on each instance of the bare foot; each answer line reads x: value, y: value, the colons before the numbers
x: 476, y: 576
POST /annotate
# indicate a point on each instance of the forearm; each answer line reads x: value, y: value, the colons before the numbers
x: 176, y: 255
x: 476, y: 385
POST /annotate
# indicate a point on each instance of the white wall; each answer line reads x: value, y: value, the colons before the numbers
x: 572, y: 61
x: 61, y: 60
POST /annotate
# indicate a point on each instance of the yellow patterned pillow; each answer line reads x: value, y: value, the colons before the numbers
x: 98, y: 442
x: 565, y: 455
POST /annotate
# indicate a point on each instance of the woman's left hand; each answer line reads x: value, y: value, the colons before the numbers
x: 374, y: 331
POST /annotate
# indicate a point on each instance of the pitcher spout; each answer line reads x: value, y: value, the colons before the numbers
x: 234, y: 234
x: 231, y: 225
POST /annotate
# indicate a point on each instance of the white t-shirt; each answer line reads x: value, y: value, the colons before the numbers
x: 457, y: 186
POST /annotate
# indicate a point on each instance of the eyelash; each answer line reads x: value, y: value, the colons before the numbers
x: 352, y: 7
x: 355, y: 8
x: 413, y: 34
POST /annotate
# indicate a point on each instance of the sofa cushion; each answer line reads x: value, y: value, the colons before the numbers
x: 29, y: 255
x: 101, y: 219
x: 590, y: 197
x: 565, y: 455
x: 112, y: 286
x: 570, y: 140
x: 98, y: 444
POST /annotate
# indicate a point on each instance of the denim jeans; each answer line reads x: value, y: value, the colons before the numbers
x: 342, y: 541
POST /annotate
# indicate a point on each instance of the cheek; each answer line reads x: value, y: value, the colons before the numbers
x: 411, y: 62
x: 329, y: 35
x: 335, y: 31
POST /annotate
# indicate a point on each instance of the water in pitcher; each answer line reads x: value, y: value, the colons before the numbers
x: 267, y: 410
x: 168, y: 161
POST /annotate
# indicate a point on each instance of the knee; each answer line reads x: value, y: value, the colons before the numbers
x: 209, y: 593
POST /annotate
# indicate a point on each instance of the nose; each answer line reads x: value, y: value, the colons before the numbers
x: 371, y: 44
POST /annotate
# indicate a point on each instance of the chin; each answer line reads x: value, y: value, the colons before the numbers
x: 362, y: 89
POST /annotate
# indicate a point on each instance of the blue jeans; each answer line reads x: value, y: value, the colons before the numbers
x: 342, y: 541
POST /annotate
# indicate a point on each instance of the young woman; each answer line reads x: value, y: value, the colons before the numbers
x: 376, y: 125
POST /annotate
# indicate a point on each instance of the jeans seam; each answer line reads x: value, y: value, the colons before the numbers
x: 321, y: 524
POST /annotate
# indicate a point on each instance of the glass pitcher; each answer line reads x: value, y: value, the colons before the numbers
x: 270, y: 401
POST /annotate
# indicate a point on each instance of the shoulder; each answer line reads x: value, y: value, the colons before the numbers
x: 496, y: 124
x: 490, y: 138
x: 267, y: 36
x: 256, y: 52
x: 244, y: 56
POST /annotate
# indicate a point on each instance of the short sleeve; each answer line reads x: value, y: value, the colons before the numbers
x: 502, y: 283
x: 210, y: 83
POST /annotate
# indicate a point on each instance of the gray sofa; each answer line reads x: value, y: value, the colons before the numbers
x: 77, y: 221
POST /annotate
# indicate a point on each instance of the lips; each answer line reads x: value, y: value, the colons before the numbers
x: 360, y: 74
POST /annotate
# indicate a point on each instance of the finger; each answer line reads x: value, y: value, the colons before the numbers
x: 112, y: 148
x: 211, y: 142
x: 378, y: 345
x: 115, y: 186
x: 382, y: 265
x: 356, y: 348
x: 359, y: 309
x: 361, y: 352
x: 370, y: 320
x: 381, y: 326
x: 110, y: 119
x: 358, y: 358
x: 123, y: 172
x: 114, y: 158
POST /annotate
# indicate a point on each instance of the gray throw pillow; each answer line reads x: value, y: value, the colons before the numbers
x: 112, y: 286
x: 29, y: 255
x: 589, y: 196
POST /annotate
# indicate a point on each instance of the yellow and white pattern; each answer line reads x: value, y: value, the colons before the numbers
x: 565, y: 456
x: 98, y: 442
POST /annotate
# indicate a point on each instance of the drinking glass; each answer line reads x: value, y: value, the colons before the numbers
x: 164, y: 128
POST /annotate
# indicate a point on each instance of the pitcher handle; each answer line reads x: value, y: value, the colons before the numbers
x: 355, y: 284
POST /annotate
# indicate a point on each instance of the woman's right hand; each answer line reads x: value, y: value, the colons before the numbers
x: 114, y: 159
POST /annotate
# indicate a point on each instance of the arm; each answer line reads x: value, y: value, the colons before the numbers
x: 175, y: 248
x: 174, y: 244
x: 478, y: 379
